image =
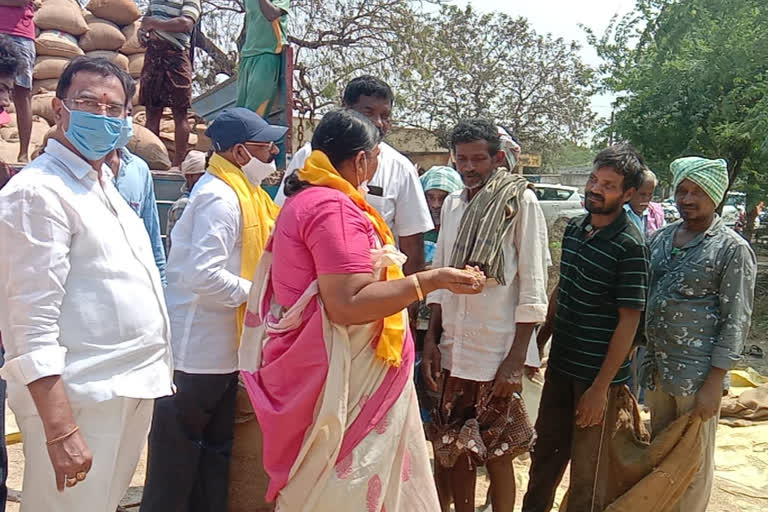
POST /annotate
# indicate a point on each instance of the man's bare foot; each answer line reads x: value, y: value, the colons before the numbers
x: 23, y: 158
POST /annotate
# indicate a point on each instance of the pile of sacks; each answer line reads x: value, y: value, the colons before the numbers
x: 9, y: 137
x: 197, y: 138
x: 106, y: 28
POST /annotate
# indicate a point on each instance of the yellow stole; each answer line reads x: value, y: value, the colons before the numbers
x: 259, y: 213
x: 319, y: 171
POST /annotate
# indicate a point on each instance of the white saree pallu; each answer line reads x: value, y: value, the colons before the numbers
x: 363, y: 446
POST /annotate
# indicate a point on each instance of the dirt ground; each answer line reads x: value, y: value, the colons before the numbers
x: 726, y: 497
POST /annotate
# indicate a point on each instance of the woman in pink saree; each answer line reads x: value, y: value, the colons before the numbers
x: 327, y: 341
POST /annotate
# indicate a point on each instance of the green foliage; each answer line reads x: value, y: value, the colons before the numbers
x: 691, y: 78
x: 570, y: 155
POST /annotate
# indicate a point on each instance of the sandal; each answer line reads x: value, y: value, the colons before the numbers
x: 754, y: 351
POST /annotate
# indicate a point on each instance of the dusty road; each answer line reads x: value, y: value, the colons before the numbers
x: 727, y: 497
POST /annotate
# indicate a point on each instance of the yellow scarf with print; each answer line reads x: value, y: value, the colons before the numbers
x: 319, y: 171
x: 259, y: 213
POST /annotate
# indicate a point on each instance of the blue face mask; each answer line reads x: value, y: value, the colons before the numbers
x: 126, y: 132
x: 94, y: 136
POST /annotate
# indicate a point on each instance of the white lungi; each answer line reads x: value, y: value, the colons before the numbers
x: 115, y: 432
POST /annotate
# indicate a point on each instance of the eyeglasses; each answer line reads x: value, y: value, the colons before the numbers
x: 96, y: 107
x: 268, y: 145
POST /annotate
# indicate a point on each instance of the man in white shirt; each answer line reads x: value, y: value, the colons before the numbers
x: 216, y: 246
x: 83, y: 316
x: 395, y: 190
x: 494, y: 224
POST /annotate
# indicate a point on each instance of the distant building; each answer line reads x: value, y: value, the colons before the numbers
x: 420, y: 146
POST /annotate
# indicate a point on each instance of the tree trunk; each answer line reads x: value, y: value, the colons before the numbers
x: 222, y: 62
x: 751, y: 207
x: 733, y: 173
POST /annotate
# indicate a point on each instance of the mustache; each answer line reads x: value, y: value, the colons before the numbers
x: 591, y: 195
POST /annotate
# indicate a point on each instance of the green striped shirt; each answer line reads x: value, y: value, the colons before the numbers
x: 598, y: 275
x: 169, y: 9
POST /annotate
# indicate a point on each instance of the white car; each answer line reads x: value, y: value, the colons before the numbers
x: 731, y: 211
x: 559, y: 201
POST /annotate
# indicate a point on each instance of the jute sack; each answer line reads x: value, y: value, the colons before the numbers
x: 9, y: 151
x: 122, y: 12
x: 47, y: 85
x: 102, y: 35
x: 39, y: 128
x: 151, y: 149
x: 203, y: 142
x: 55, y: 43
x: 136, y: 64
x: 49, y: 67
x: 117, y: 58
x: 42, y: 105
x: 63, y: 15
x: 132, y: 45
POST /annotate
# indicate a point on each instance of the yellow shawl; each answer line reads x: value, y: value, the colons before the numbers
x: 319, y: 171
x: 259, y: 213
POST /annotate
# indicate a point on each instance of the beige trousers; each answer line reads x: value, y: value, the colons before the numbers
x: 665, y: 409
x: 115, y: 431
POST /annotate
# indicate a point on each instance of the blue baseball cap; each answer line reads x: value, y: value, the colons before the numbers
x: 239, y: 125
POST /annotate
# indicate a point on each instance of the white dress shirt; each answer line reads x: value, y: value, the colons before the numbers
x: 478, y: 330
x: 83, y: 297
x: 402, y: 203
x: 204, y: 284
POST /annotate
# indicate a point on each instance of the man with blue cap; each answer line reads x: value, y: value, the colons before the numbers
x: 698, y: 312
x: 217, y: 244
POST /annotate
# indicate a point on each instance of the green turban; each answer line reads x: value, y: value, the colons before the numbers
x: 442, y: 178
x: 710, y: 175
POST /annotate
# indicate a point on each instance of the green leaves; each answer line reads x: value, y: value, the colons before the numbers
x: 694, y: 75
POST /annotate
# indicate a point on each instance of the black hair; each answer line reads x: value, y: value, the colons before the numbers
x: 341, y: 135
x: 367, y: 85
x: 471, y: 130
x: 9, y: 57
x: 625, y: 160
x: 100, y: 66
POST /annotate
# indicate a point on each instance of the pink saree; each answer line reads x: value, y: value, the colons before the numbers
x: 340, y: 426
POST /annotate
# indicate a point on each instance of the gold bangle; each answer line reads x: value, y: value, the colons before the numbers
x: 62, y: 437
x: 417, y: 284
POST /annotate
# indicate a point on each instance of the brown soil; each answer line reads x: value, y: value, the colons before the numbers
x: 726, y: 497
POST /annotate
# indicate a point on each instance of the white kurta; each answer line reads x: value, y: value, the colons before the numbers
x: 478, y: 330
x: 82, y: 299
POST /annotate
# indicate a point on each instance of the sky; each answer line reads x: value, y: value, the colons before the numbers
x: 561, y: 18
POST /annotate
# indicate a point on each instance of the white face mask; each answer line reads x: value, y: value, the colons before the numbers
x: 362, y: 186
x: 257, y: 171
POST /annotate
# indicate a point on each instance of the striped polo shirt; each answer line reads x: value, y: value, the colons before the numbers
x: 169, y: 9
x: 598, y: 275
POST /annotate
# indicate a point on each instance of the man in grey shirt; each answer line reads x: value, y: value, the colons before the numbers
x: 698, y: 311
